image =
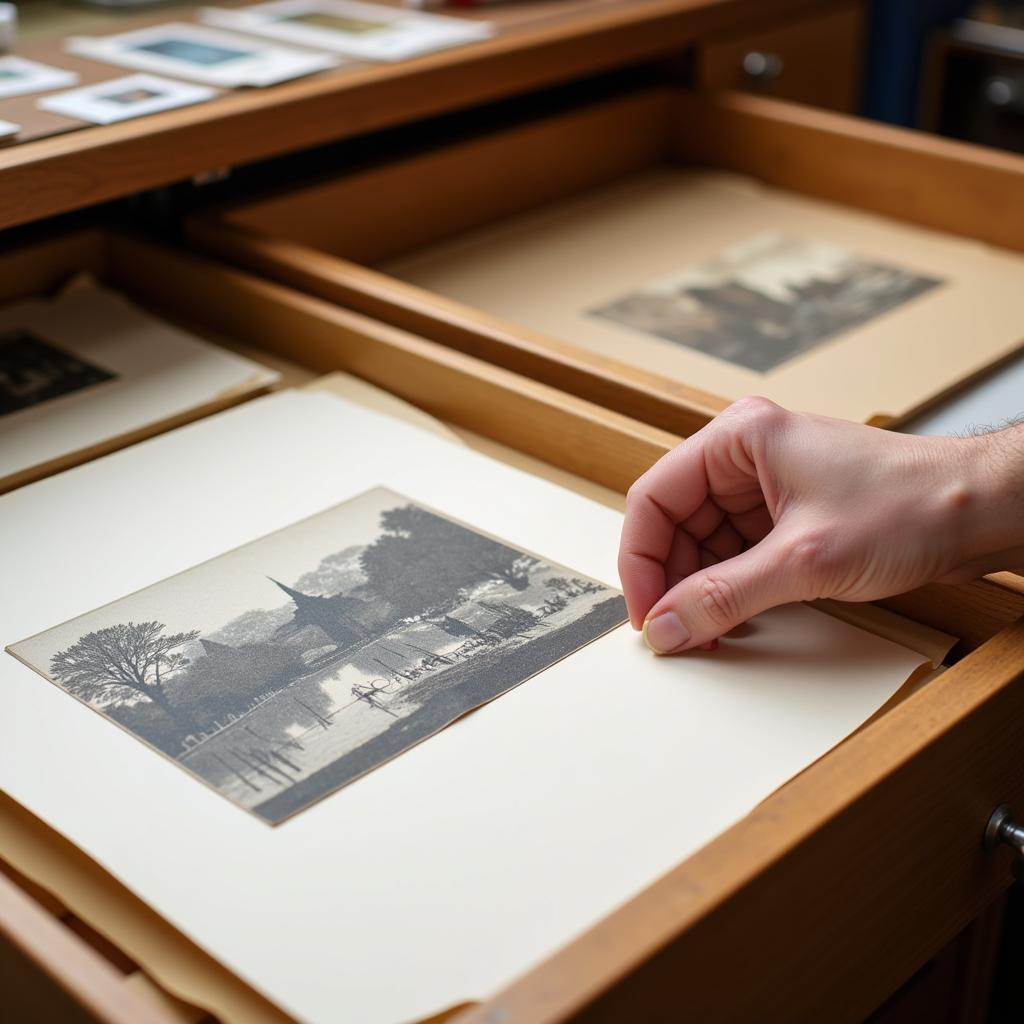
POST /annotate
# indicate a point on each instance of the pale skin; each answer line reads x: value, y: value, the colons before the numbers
x: 765, y: 506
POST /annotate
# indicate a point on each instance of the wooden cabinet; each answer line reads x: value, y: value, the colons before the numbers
x: 845, y: 882
x: 537, y: 45
x: 852, y: 875
x: 815, y: 60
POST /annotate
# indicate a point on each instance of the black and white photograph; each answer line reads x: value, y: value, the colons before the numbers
x: 87, y: 369
x: 768, y: 300
x: 34, y: 370
x: 287, y: 668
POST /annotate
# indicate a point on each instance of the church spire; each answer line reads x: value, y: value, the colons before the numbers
x: 329, y: 613
x: 296, y: 595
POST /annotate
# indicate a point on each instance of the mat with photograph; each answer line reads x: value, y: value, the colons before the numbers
x: 363, y: 30
x: 768, y: 300
x: 122, y: 99
x: 203, y: 54
x: 34, y: 370
x: 287, y: 668
x: 19, y: 76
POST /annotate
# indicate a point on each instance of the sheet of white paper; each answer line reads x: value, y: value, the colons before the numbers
x: 19, y: 76
x: 202, y: 54
x: 361, y: 30
x: 8, y: 129
x: 121, y: 99
x: 450, y: 870
x: 139, y: 371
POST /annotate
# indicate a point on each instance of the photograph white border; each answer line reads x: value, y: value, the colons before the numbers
x: 89, y: 104
x: 403, y: 34
x: 37, y: 77
x: 267, y: 65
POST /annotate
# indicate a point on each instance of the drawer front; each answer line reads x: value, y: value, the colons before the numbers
x: 816, y: 60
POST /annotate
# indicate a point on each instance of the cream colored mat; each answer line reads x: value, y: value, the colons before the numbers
x: 548, y: 269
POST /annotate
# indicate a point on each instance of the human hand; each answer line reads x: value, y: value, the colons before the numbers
x: 764, y: 506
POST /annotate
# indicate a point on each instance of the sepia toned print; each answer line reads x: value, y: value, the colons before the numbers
x: 33, y: 370
x: 766, y: 301
x: 277, y: 686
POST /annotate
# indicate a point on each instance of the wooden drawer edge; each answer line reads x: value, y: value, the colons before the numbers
x: 70, y: 962
x: 666, y: 404
x: 567, y: 432
x: 824, y: 154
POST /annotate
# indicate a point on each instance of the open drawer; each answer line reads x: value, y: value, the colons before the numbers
x: 852, y: 875
x: 662, y: 254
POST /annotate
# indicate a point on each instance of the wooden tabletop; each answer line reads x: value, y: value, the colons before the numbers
x: 539, y: 43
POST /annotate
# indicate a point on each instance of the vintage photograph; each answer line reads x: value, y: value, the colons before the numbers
x: 19, y: 76
x: 337, y: 23
x: 366, y: 31
x: 125, y: 98
x: 201, y: 54
x: 131, y: 96
x: 192, y: 51
x: 766, y: 301
x: 285, y: 669
x: 33, y: 370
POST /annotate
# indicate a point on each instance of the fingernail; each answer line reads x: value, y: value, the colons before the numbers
x: 665, y: 633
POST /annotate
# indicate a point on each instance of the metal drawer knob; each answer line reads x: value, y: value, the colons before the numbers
x: 1002, y: 830
x: 1005, y: 92
x: 761, y: 66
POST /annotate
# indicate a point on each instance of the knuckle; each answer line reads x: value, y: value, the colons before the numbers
x: 812, y: 553
x: 755, y: 416
x: 718, y: 601
x: 756, y: 407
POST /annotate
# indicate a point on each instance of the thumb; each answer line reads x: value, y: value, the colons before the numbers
x: 709, y: 603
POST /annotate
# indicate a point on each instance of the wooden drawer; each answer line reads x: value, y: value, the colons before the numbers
x: 537, y: 44
x: 852, y: 875
x: 336, y: 237
x: 815, y: 60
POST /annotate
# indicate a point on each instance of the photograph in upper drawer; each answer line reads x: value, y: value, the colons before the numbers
x: 396, y: 621
x: 764, y: 301
x: 34, y: 370
x: 88, y: 371
x: 365, y: 31
x: 821, y: 296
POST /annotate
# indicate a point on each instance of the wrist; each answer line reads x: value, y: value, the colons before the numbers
x: 984, y: 496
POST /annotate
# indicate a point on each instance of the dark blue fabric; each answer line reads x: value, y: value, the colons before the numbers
x: 897, y: 30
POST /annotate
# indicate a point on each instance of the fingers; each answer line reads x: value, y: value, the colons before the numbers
x: 672, y: 490
x: 676, y: 493
x: 709, y: 603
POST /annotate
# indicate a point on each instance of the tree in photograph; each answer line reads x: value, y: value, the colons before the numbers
x: 225, y: 679
x: 422, y: 561
x: 120, y: 663
x: 516, y: 575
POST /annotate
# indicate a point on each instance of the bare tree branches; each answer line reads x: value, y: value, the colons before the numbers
x: 121, y: 661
